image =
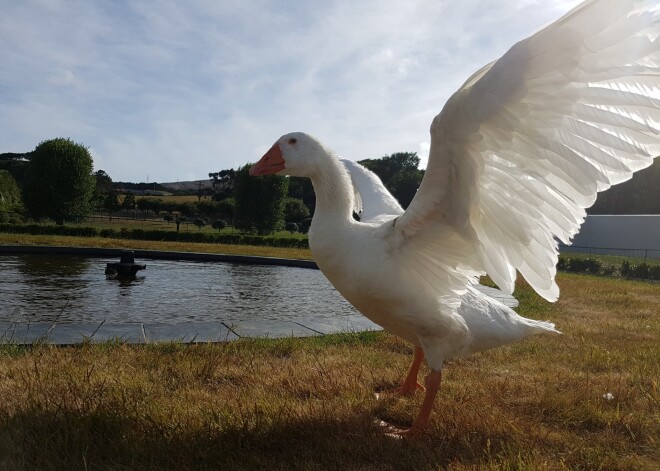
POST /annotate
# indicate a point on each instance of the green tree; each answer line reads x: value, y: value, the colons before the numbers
x: 259, y: 201
x: 111, y: 201
x: 219, y: 224
x: 142, y: 205
x: 10, y: 192
x: 226, y: 208
x: 59, y: 183
x: 129, y: 202
x: 295, y: 210
x: 103, y: 186
x: 223, y: 183
x: 301, y: 188
x: 16, y: 164
x: 155, y: 204
x: 292, y: 227
x: 199, y: 222
x: 404, y: 184
x: 186, y: 209
x: 399, y: 173
x: 207, y: 208
x: 103, y: 181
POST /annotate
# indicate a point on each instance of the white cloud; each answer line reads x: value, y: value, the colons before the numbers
x: 176, y: 90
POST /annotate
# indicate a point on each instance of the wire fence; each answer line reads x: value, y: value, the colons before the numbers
x: 643, y: 255
x: 117, y: 219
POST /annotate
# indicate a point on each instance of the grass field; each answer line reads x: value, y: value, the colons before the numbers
x: 152, y: 222
x: 299, y: 404
x: 262, y: 251
x: 169, y: 198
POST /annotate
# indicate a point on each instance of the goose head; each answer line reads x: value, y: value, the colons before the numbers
x: 296, y: 154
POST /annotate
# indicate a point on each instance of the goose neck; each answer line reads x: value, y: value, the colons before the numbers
x: 334, y: 193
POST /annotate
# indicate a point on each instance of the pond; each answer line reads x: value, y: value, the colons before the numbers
x: 70, y: 289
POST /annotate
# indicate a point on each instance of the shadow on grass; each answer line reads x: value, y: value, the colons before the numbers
x: 49, y: 441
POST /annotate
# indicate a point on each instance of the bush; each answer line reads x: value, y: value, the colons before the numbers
x: 626, y: 268
x: 295, y: 210
x: 160, y: 235
x: 10, y: 194
x: 304, y: 226
x: 219, y: 224
x: 594, y: 265
x: 562, y: 263
x: 40, y: 229
x: 292, y: 227
x: 108, y: 233
x: 584, y: 265
x: 654, y: 272
x: 59, y: 183
x: 16, y: 218
x: 610, y: 270
x: 640, y: 271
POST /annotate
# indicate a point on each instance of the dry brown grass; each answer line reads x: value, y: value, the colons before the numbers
x: 69, y: 241
x: 170, y: 198
x: 309, y: 403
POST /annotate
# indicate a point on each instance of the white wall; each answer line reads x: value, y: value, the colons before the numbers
x: 620, y: 232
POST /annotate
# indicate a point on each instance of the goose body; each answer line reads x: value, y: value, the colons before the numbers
x: 516, y: 155
x: 358, y: 260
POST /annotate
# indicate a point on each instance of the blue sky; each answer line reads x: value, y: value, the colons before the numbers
x: 163, y: 90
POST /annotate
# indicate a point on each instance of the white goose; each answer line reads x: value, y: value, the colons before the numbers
x: 516, y: 155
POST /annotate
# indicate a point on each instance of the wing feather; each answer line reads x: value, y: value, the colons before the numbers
x: 374, y: 202
x: 521, y: 150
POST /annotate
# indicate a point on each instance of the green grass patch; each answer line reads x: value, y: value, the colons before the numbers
x: 151, y: 222
x: 155, y: 235
x: 176, y: 246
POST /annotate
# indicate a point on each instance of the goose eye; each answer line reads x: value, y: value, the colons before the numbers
x: 292, y: 141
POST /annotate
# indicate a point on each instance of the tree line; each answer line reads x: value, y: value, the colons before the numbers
x: 56, y: 181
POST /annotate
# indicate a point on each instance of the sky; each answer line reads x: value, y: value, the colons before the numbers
x: 164, y: 90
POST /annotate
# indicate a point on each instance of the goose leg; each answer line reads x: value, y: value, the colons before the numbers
x: 432, y: 381
x: 410, y: 384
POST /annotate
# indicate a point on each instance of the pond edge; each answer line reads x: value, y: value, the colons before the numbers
x: 155, y: 255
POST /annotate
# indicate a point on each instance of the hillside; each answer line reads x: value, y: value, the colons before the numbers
x: 188, y: 186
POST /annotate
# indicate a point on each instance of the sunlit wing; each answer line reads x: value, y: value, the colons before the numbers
x: 527, y: 142
x: 375, y: 204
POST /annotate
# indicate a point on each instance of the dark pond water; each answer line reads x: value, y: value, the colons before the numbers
x: 43, y: 287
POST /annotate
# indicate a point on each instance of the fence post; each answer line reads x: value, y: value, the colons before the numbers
x: 646, y: 253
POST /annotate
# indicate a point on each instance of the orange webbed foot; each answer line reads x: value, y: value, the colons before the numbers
x: 432, y: 385
x: 405, y: 390
x: 410, y: 385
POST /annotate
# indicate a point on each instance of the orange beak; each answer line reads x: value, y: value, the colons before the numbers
x: 272, y: 162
